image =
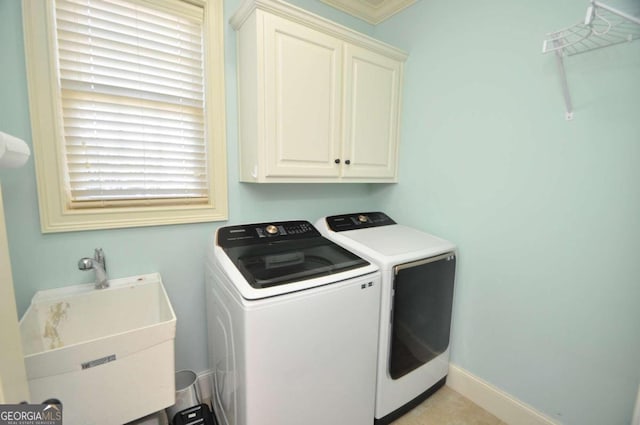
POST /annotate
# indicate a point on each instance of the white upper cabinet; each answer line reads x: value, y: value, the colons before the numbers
x: 318, y: 102
x: 302, y: 72
x: 371, y: 93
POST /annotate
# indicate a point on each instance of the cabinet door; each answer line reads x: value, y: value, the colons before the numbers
x: 372, y: 102
x: 302, y: 100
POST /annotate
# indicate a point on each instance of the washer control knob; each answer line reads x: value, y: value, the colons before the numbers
x: 363, y: 218
x: 271, y: 229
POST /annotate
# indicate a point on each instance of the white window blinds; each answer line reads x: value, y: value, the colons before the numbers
x: 132, y: 93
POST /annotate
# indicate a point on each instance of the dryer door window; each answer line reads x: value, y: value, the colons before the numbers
x: 421, y: 318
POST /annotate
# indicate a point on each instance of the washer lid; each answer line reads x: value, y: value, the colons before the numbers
x: 275, y: 254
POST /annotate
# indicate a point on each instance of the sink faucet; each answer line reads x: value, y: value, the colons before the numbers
x: 98, y: 264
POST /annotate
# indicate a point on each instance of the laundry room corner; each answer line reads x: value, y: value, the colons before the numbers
x: 535, y: 203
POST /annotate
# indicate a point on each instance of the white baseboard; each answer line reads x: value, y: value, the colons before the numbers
x: 495, y: 401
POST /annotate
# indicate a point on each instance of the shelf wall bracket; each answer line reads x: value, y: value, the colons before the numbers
x: 568, y: 106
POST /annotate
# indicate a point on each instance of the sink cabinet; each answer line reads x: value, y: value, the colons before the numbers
x: 318, y: 102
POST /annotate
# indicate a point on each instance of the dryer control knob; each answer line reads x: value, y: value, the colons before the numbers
x: 363, y: 218
x: 271, y: 229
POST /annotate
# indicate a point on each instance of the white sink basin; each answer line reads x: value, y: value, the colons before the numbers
x: 106, y: 354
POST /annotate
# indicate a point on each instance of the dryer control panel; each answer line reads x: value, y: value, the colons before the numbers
x: 341, y: 223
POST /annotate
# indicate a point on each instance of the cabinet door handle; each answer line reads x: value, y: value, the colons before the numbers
x: 348, y: 161
x: 337, y: 161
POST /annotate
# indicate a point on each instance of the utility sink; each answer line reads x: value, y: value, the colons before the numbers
x: 106, y: 354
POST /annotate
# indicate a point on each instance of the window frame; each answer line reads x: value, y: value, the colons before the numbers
x: 56, y: 215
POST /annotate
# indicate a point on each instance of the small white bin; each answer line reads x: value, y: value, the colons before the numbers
x: 186, y: 393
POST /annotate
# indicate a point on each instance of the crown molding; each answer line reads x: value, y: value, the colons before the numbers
x: 301, y: 16
x: 371, y: 11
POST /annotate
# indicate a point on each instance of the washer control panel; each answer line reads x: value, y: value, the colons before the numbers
x: 341, y: 223
x: 254, y: 234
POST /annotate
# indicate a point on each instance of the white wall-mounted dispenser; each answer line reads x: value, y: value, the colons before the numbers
x: 14, y: 152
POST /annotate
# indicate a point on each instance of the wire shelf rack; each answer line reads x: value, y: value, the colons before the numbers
x: 603, y: 26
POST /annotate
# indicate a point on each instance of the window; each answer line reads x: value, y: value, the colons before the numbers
x: 127, y: 111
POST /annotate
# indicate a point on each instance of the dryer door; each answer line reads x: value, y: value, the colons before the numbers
x: 422, y: 303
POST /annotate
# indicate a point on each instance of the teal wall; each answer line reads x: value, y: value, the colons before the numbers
x: 177, y: 252
x: 546, y: 212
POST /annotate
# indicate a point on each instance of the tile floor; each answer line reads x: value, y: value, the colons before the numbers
x: 447, y: 407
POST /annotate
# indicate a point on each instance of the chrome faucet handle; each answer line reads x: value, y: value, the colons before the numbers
x: 85, y: 263
x: 98, y: 264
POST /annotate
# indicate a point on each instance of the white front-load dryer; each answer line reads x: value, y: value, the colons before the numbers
x: 418, y: 273
x: 293, y: 327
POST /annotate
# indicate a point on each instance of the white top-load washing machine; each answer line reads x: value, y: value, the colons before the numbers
x: 293, y: 327
x: 418, y: 272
